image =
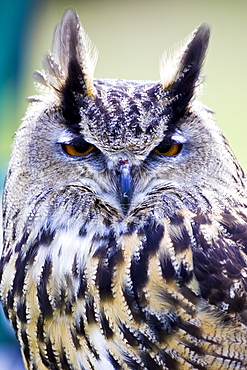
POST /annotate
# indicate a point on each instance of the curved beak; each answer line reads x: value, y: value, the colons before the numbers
x: 125, y: 184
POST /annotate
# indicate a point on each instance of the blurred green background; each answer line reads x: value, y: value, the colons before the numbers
x: 131, y: 36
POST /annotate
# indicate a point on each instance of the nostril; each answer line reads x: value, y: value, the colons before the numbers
x: 123, y: 161
x: 123, y: 164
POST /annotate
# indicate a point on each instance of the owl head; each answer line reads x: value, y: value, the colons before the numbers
x: 128, y: 145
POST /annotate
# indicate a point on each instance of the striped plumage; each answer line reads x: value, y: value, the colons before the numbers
x: 124, y: 221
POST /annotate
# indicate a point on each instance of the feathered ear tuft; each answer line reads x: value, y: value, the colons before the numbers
x: 69, y: 68
x: 180, y: 75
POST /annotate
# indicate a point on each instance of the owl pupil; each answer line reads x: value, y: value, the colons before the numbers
x: 164, y: 148
x: 82, y: 148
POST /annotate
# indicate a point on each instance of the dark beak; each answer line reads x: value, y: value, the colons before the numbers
x: 125, y: 184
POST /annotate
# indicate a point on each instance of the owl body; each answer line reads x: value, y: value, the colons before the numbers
x: 124, y: 221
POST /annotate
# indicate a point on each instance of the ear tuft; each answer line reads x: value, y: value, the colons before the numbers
x: 70, y: 65
x: 180, y: 75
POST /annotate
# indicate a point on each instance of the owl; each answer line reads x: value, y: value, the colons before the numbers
x: 124, y: 217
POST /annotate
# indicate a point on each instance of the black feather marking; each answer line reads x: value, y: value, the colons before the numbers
x: 21, y: 311
x: 193, y: 330
x: 184, y: 274
x: 21, y: 242
x: 13, y: 320
x: 104, y: 279
x: 167, y: 268
x: 132, y: 304
x: 160, y: 329
x: 132, y: 363
x: 154, y: 236
x: 69, y: 103
x: 10, y: 300
x: 132, y: 227
x: 139, y: 265
x: 43, y: 296
x: 149, y: 362
x: 68, y: 308
x: 80, y: 328
x: 189, y: 294
x: 139, y: 271
x: 40, y: 329
x: 21, y: 267
x: 170, y: 362
x: 64, y: 361
x: 114, y: 362
x: 92, y: 349
x: 90, y: 314
x: 182, y: 88
x: 83, y: 231
x: 59, y: 301
x: 105, y: 326
x: 181, y: 239
x: 202, y: 219
x: 46, y: 236
x: 45, y: 361
x: 67, y: 46
x: 51, y: 355
x: 131, y: 339
x: 83, y: 285
x: 25, y: 345
x: 109, y: 256
x: 74, y: 269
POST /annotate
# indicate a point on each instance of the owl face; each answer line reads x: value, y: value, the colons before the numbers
x: 125, y: 147
x: 130, y: 145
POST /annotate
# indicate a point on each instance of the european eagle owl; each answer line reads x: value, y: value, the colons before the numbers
x: 124, y: 215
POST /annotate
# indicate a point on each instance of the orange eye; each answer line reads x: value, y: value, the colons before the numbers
x: 78, y: 150
x: 168, y: 150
